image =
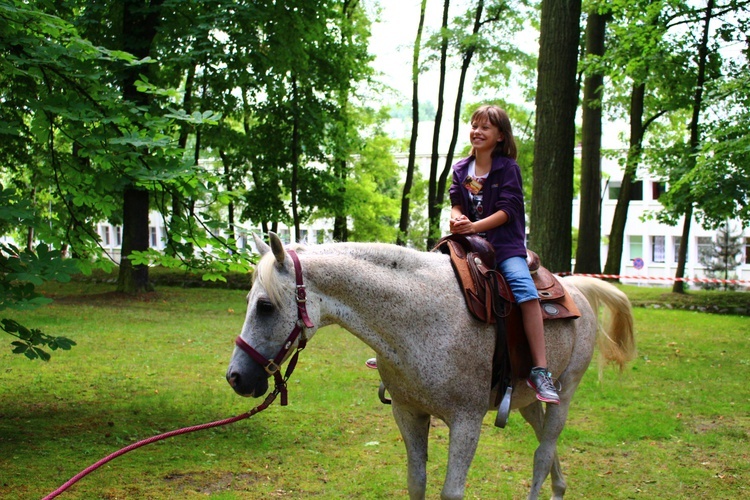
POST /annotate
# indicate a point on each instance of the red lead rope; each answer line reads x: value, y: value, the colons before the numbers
x: 269, y: 399
x: 272, y: 367
x: 279, y: 389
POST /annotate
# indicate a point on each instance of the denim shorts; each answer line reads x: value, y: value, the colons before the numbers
x: 516, y: 273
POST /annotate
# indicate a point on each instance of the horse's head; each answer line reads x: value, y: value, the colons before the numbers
x: 275, y: 311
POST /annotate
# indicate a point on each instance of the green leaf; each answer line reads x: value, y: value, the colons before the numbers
x: 20, y: 348
x: 10, y: 326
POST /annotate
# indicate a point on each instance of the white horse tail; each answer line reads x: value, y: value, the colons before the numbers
x: 615, y: 338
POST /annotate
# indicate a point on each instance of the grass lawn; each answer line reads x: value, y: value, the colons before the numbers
x: 674, y: 425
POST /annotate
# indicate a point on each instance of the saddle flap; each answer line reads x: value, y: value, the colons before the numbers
x: 547, y: 285
x: 473, y: 273
x: 462, y: 244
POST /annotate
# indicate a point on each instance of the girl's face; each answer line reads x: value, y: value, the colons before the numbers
x: 484, y: 136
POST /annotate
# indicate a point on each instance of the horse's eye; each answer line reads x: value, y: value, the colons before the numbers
x: 265, y: 307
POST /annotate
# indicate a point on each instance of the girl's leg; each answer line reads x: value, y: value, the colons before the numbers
x: 533, y: 325
x: 516, y: 273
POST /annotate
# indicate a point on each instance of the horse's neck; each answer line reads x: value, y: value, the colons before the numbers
x: 373, y: 291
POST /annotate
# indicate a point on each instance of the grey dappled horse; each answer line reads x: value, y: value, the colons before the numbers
x: 433, y: 356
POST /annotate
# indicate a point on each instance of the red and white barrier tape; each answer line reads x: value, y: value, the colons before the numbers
x: 657, y: 278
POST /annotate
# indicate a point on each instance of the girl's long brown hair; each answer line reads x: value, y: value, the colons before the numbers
x: 499, y: 118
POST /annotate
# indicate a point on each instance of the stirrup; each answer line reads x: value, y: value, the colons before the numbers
x: 381, y: 394
x: 503, y: 409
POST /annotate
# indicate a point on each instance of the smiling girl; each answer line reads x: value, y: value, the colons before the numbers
x: 487, y: 199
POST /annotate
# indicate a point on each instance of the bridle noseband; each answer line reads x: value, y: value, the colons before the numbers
x: 273, y: 366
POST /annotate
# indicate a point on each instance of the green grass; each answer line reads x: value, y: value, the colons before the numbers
x: 673, y: 425
x: 731, y: 302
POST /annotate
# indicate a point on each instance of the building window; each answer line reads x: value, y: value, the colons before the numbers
x: 152, y: 230
x: 636, y: 190
x: 676, y: 241
x: 105, y: 235
x: 747, y: 250
x: 118, y: 236
x: 658, y: 188
x: 303, y: 236
x: 636, y: 247
x: 657, y: 249
x: 705, y: 245
x: 614, y: 190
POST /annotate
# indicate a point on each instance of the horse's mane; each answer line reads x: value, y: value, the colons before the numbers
x: 377, y: 254
x: 266, y: 275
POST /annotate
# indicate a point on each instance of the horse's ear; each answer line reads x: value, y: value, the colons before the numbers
x: 261, y: 245
x: 277, y: 247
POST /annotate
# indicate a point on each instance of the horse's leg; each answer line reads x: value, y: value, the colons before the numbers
x: 415, y: 429
x: 547, y: 429
x: 464, y: 436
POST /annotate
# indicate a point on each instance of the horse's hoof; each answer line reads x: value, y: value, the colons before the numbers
x: 503, y: 409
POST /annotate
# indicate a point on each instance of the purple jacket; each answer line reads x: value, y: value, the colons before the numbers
x: 502, y: 191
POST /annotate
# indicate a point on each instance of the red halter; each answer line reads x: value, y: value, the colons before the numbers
x: 272, y: 366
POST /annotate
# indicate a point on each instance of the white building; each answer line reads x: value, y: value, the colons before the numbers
x: 650, y: 249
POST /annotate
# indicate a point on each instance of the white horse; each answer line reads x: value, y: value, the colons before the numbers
x: 433, y: 356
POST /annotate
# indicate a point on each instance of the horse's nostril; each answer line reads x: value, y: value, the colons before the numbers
x: 233, y: 379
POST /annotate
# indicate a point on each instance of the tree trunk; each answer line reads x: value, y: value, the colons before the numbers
x: 433, y: 209
x: 556, y: 102
x: 340, y: 228
x: 617, y: 232
x: 139, y: 29
x: 341, y: 160
x: 588, y: 254
x: 296, y: 148
x: 340, y: 222
x: 229, y: 186
x: 133, y: 279
x: 679, y: 285
x: 176, y: 221
x: 30, y: 227
x: 465, y: 63
x: 403, y: 224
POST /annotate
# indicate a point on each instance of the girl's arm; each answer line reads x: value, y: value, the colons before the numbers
x: 462, y: 225
x: 457, y: 217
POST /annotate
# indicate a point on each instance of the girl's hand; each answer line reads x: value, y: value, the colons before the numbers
x: 461, y: 225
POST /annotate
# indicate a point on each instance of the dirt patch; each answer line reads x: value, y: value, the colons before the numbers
x: 209, y: 483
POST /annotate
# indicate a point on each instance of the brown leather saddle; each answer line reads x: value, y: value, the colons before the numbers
x: 489, y: 297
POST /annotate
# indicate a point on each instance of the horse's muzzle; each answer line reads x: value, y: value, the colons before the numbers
x: 247, y: 385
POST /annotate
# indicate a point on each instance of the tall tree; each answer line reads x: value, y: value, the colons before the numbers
x: 702, y: 60
x: 721, y: 178
x: 556, y: 103
x: 484, y: 32
x: 617, y: 231
x: 646, y: 85
x: 722, y: 258
x: 60, y: 116
x: 467, y: 48
x: 346, y: 139
x: 433, y: 208
x: 140, y: 23
x: 403, y: 225
x: 588, y: 259
x: 655, y: 46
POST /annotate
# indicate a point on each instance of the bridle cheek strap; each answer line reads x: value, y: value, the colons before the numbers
x: 273, y: 366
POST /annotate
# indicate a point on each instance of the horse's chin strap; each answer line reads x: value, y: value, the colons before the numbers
x: 273, y: 366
